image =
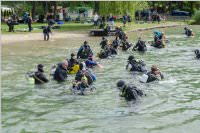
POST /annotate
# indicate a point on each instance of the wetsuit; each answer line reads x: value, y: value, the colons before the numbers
x: 60, y: 73
x: 103, y: 54
x: 39, y: 77
x: 29, y: 24
x: 10, y: 25
x: 113, y: 51
x: 140, y: 46
x: 115, y: 43
x: 71, y: 63
x: 131, y: 93
x: 124, y: 19
x: 82, y: 86
x: 90, y: 77
x: 46, y: 32
x: 90, y: 64
x: 197, y: 52
x: 133, y: 65
x: 189, y: 32
x: 84, y: 52
x: 153, y: 77
x: 122, y: 35
x: 103, y: 43
x: 126, y: 45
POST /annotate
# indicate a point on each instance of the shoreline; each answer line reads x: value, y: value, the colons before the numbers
x: 155, y: 27
x: 12, y: 38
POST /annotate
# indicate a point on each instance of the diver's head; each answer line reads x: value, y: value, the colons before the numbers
x: 120, y: 84
x: 40, y: 67
x: 154, y: 68
x: 85, y: 43
x: 196, y: 51
x: 131, y: 57
x: 73, y: 56
x: 103, y: 38
x: 140, y: 38
x: 65, y: 64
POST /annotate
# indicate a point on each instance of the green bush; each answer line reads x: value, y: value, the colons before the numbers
x: 196, y: 17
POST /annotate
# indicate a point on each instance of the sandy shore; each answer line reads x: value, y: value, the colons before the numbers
x: 12, y: 38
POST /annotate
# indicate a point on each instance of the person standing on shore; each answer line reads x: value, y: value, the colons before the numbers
x: 46, y: 31
x: 29, y: 23
x: 96, y: 17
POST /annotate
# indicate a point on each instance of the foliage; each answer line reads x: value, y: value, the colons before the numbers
x: 121, y: 7
x: 196, y: 17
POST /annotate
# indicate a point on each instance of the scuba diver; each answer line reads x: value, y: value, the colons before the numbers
x: 134, y: 65
x: 159, y: 39
x: 130, y: 93
x: 90, y: 63
x: 29, y: 22
x: 46, y: 31
x: 72, y: 61
x: 140, y: 45
x: 118, y: 30
x: 107, y: 51
x: 73, y: 64
x: 154, y: 74
x: 88, y: 73
x: 122, y: 36
x: 84, y: 51
x: 39, y: 76
x: 125, y: 45
x: 82, y: 85
x: 10, y: 24
x: 115, y: 43
x: 188, y: 32
x: 61, y: 71
x: 103, y: 54
x: 197, y: 53
x: 103, y: 42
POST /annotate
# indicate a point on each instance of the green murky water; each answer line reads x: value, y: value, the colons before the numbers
x: 172, y: 105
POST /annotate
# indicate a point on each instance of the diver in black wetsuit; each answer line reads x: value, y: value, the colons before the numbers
x: 134, y: 65
x: 140, y: 46
x: 39, y: 76
x: 197, y: 53
x: 130, y: 93
x: 46, y: 31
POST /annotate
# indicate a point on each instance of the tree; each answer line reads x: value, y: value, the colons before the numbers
x: 121, y: 7
x: 33, y: 8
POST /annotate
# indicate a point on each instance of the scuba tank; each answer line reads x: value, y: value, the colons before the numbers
x: 144, y: 78
x: 74, y: 70
x: 52, y: 72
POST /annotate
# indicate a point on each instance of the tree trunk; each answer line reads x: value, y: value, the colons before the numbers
x: 33, y: 9
x: 54, y: 9
x: 96, y: 6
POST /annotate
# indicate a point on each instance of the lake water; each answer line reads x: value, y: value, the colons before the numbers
x: 171, y: 105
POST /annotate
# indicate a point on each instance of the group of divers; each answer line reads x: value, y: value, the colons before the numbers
x: 82, y: 64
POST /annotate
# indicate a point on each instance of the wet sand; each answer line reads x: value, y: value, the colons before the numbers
x: 12, y: 38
